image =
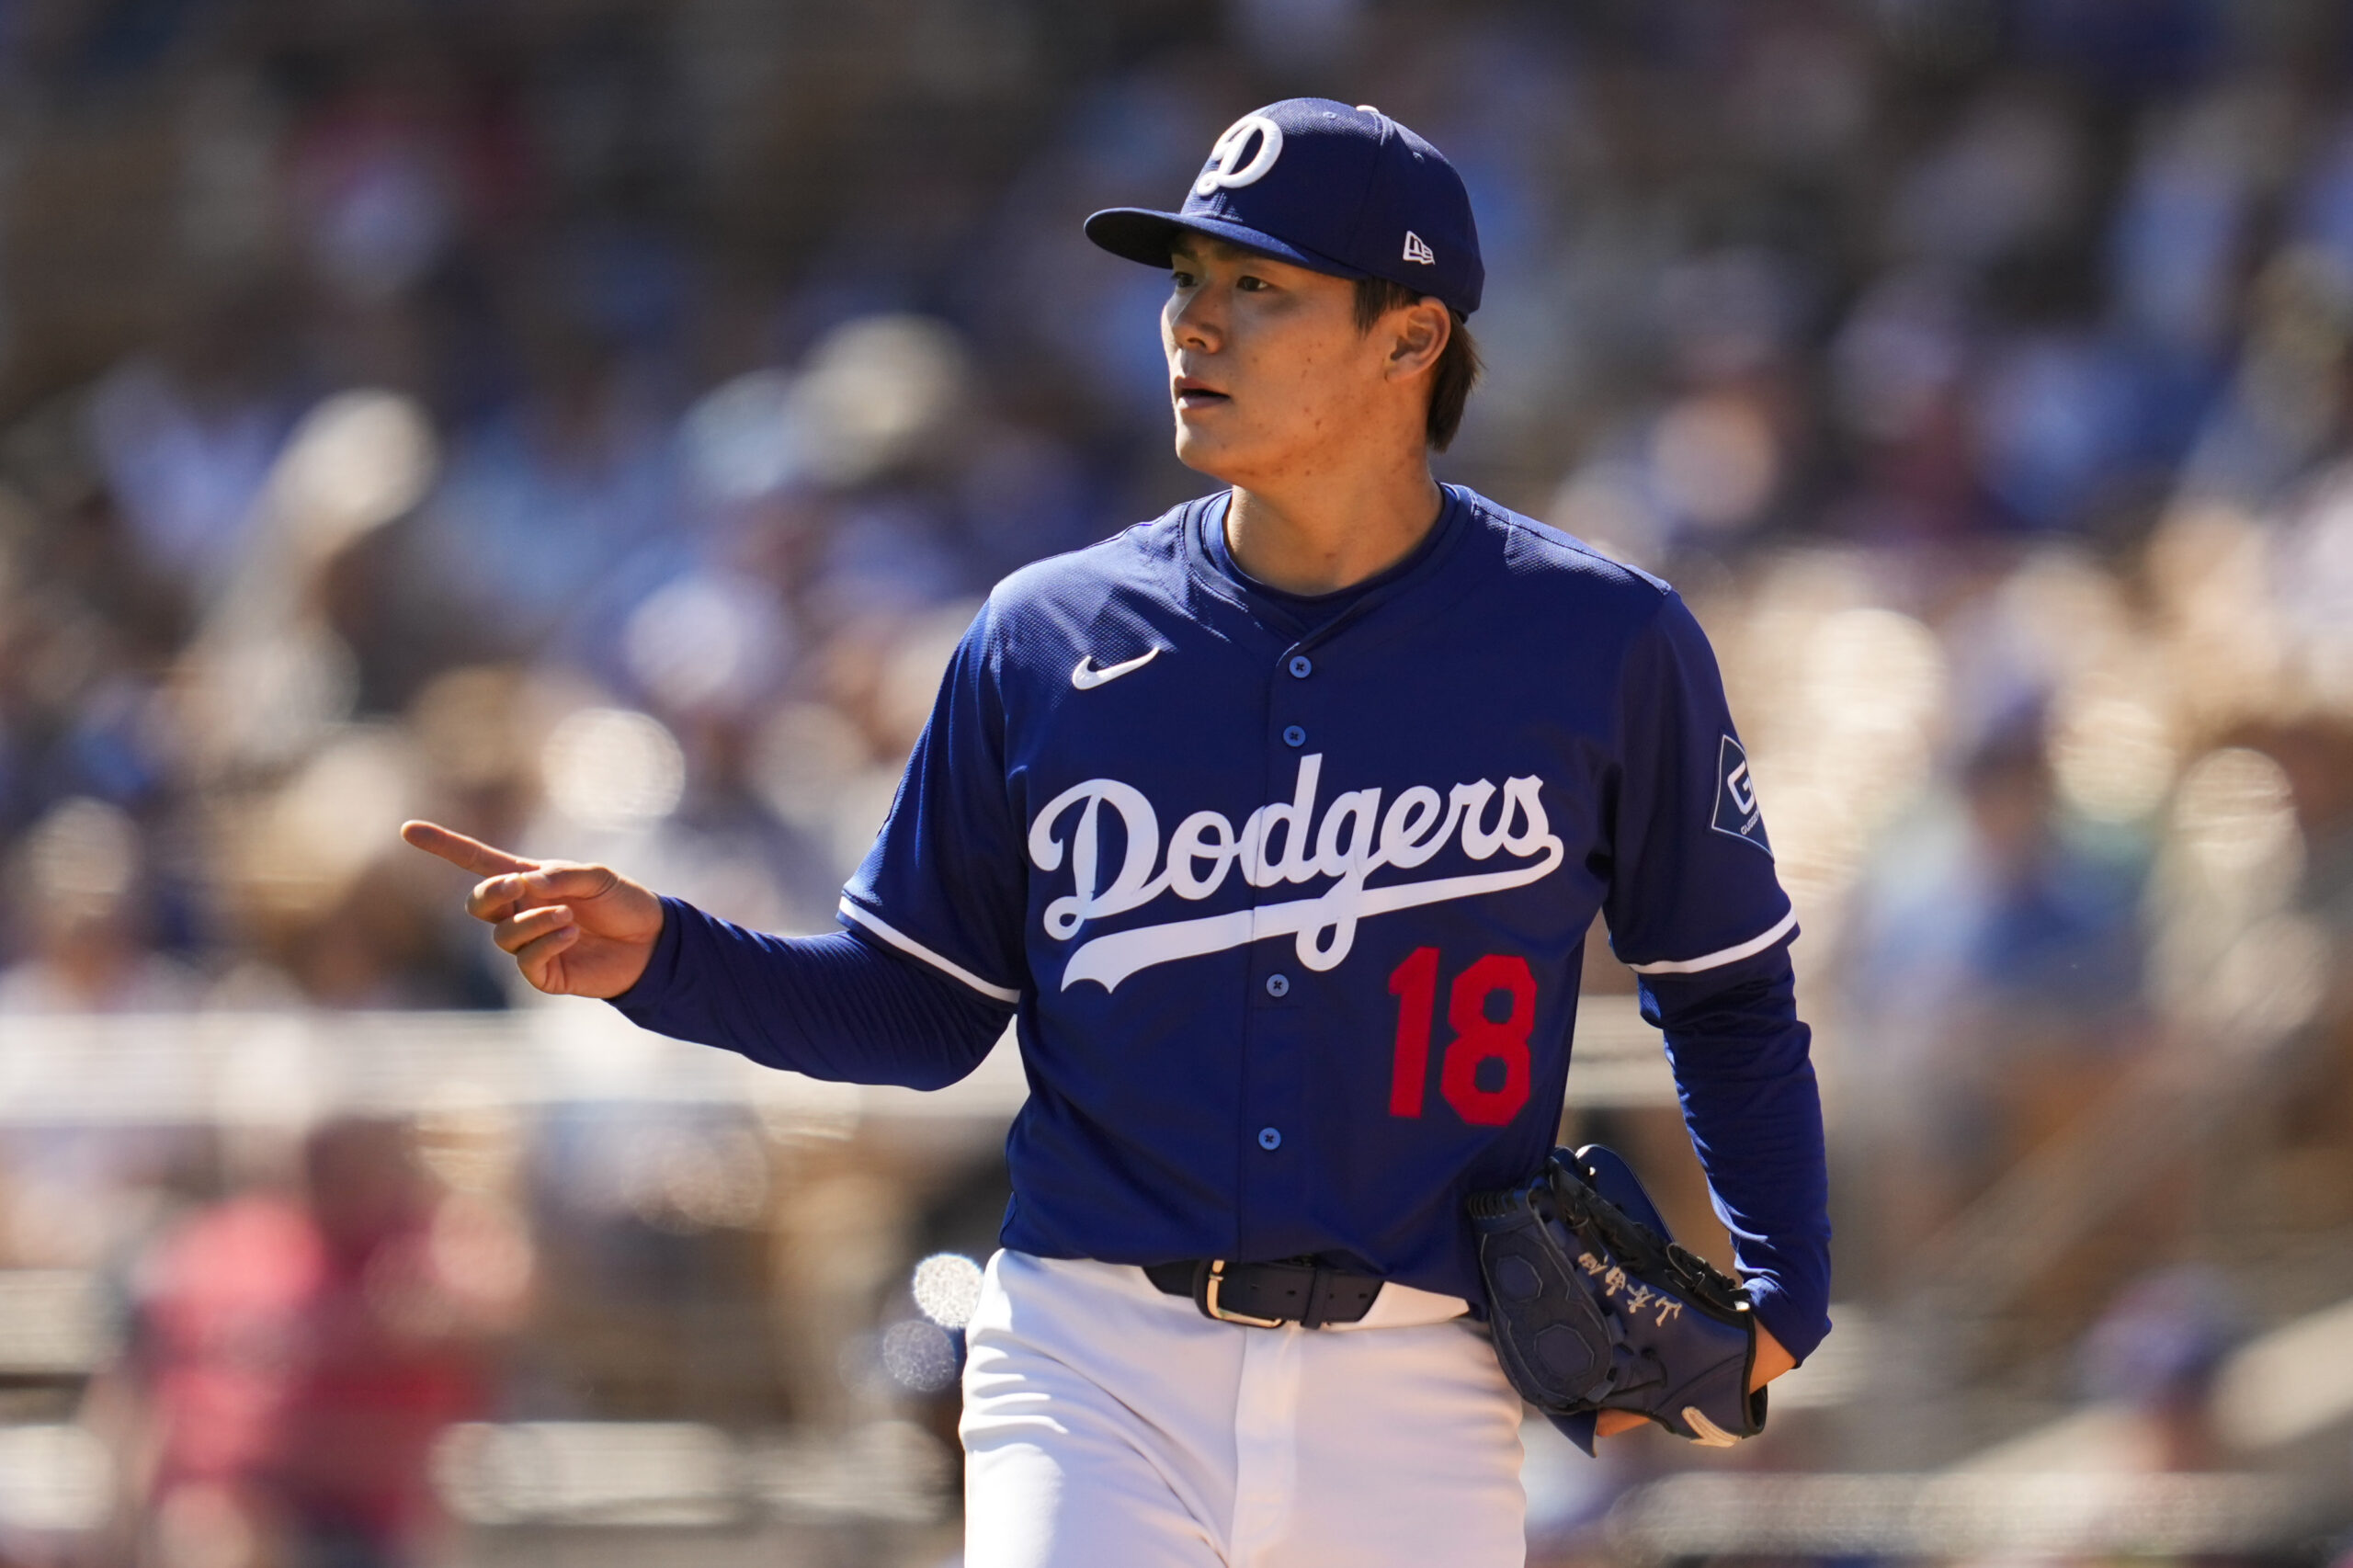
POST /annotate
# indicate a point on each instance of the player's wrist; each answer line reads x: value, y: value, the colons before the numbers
x: 656, y: 954
x: 1770, y: 1361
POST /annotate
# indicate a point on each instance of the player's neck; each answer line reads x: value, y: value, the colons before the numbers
x: 1329, y: 532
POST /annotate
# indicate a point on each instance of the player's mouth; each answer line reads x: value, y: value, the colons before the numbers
x: 1190, y: 393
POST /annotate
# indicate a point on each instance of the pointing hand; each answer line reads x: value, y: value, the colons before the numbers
x: 573, y: 930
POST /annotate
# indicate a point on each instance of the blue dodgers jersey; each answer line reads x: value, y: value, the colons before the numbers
x: 1294, y: 923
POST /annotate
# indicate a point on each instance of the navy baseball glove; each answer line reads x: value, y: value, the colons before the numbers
x: 1593, y: 1306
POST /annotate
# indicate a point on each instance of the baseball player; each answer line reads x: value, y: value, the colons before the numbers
x: 1278, y: 823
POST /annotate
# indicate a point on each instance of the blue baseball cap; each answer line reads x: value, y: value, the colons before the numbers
x: 1338, y: 189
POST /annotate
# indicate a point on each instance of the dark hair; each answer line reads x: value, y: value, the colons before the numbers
x: 1458, y: 363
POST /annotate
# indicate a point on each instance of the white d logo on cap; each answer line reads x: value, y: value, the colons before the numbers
x: 1222, y: 171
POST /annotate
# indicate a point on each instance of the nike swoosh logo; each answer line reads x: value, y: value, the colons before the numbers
x: 1086, y: 676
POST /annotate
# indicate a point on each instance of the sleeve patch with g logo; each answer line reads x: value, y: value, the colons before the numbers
x: 1737, y: 812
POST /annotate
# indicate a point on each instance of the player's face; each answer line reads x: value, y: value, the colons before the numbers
x: 1267, y: 367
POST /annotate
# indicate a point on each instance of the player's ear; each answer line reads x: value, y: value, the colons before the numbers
x: 1418, y: 336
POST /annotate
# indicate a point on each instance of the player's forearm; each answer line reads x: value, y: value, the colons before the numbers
x: 831, y: 1006
x: 1741, y: 1058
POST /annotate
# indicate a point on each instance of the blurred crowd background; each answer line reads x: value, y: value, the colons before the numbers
x: 590, y: 423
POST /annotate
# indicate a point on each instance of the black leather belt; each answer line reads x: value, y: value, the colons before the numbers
x: 1269, y: 1295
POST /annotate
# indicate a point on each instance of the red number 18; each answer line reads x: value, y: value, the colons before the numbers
x: 1477, y: 1038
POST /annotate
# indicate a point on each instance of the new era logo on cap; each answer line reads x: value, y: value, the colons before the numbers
x: 1326, y: 186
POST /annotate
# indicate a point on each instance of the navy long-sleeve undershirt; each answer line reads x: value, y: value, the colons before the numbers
x: 833, y: 1007
x: 841, y: 1007
x: 1744, y: 1071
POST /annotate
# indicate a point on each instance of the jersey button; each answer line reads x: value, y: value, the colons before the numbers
x: 1271, y: 1139
x: 1278, y: 985
x: 1301, y: 666
x: 1294, y: 736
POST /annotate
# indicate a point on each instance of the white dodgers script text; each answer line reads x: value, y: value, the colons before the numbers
x: 1279, y: 844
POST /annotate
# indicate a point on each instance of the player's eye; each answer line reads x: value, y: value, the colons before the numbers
x: 1250, y: 284
x: 1179, y: 277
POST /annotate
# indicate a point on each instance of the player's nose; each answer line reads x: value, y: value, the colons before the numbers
x: 1193, y: 322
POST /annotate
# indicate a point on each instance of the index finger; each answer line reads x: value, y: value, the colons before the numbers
x: 458, y: 850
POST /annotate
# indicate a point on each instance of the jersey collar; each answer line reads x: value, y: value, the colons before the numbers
x: 1213, y: 571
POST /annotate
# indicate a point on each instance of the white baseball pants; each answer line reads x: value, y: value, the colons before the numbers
x: 1108, y: 1425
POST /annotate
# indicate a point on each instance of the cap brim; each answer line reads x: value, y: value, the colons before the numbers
x: 1142, y: 235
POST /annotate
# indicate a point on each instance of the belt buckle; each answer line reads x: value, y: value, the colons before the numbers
x: 1209, y: 1286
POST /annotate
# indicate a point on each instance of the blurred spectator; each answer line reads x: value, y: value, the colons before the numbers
x: 546, y: 499
x: 295, y: 1356
x: 1995, y: 967
x: 77, y: 903
x: 2156, y: 1351
x: 185, y: 438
